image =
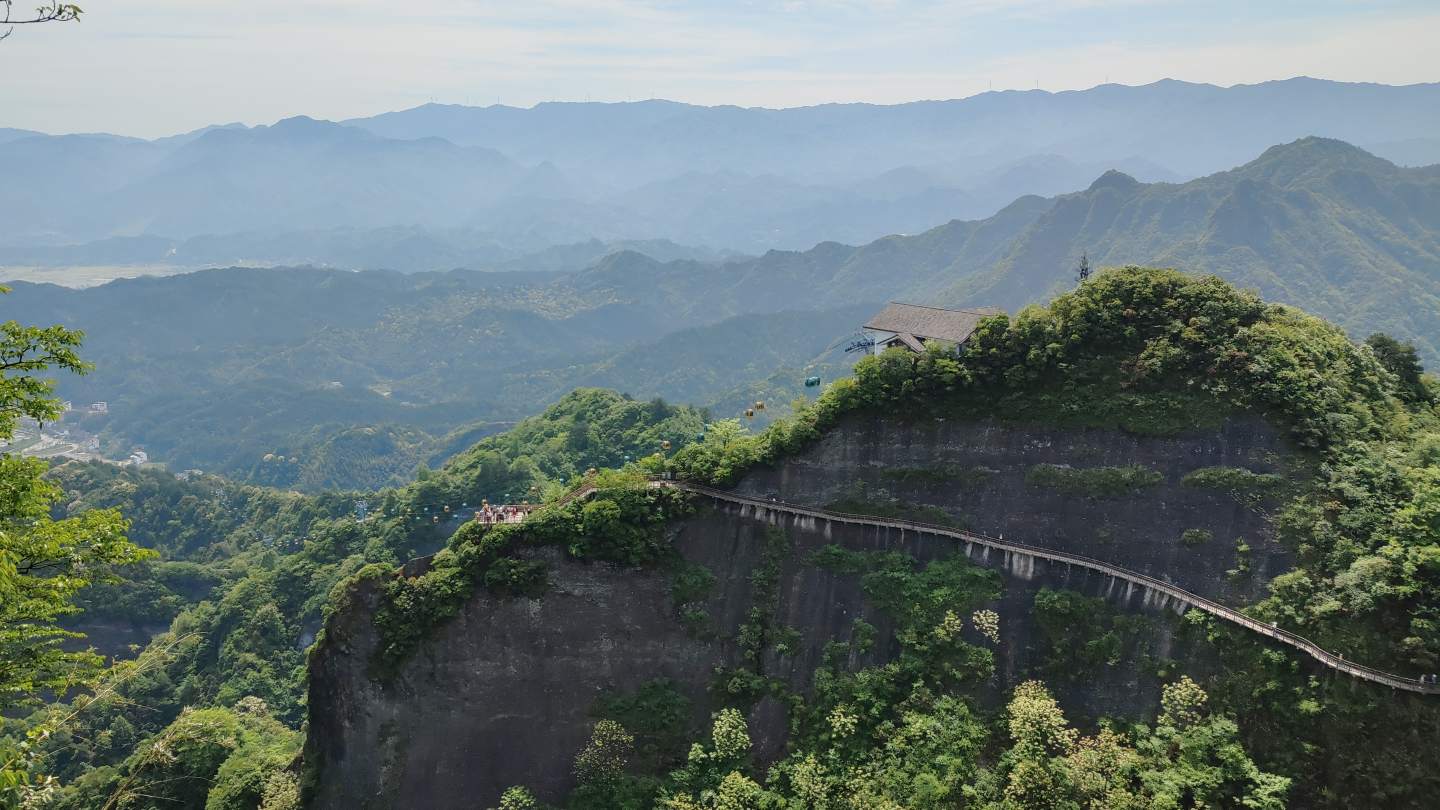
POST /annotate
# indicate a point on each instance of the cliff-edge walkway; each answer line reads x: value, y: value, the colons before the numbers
x: 1180, y: 599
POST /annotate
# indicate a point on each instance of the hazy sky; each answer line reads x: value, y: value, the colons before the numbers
x: 157, y: 67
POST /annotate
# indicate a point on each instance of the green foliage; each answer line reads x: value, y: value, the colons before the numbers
x: 1363, y: 536
x: 148, y: 593
x: 1081, y: 635
x: 25, y: 353
x: 952, y: 474
x: 1191, y: 758
x: 938, y: 753
x: 263, y: 563
x: 1401, y: 360
x: 44, y: 562
x: 987, y: 624
x: 916, y: 596
x: 727, y: 449
x: 201, y: 519
x: 1239, y: 483
x: 1291, y: 720
x: 758, y: 631
x: 690, y: 585
x: 587, y: 428
x: 1137, y: 346
x: 926, y: 761
x: 1242, y: 560
x: 246, y: 780
x: 602, y: 761
x: 658, y: 715
x: 518, y: 798
x: 851, y: 711
x: 1316, y: 222
x: 858, y: 498
x: 1190, y: 538
x: 1093, y: 482
x: 215, y: 759
x: 511, y: 577
x: 242, y: 641
x: 427, y: 365
x: 601, y: 771
x: 1152, y: 351
x: 623, y: 523
x: 708, y: 767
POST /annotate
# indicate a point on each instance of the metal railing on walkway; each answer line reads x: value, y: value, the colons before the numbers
x: 1180, y: 595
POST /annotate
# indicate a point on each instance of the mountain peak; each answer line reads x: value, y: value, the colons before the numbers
x: 1116, y: 179
x: 302, y: 123
x: 1315, y: 146
x: 1288, y: 162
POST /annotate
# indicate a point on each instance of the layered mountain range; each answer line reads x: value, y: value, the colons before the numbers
x: 439, y: 187
x: 287, y: 359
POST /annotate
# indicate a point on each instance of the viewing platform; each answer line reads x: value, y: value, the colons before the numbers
x: 504, y: 513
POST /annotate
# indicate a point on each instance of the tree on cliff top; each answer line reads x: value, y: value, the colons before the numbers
x: 1402, y: 361
x: 43, y: 562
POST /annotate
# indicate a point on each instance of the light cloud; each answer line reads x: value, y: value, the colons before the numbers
x: 154, y: 67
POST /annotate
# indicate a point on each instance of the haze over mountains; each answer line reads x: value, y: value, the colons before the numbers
x: 438, y: 187
x: 215, y: 369
x: 1180, y: 127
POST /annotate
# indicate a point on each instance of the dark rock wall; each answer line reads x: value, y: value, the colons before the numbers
x: 1139, y: 531
x: 503, y: 694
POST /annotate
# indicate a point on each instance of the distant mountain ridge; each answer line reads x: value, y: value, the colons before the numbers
x: 722, y: 178
x: 1182, y: 126
x: 408, y: 249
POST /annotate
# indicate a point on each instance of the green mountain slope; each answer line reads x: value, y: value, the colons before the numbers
x: 265, y: 563
x: 827, y: 275
x: 216, y: 369
x: 1316, y: 223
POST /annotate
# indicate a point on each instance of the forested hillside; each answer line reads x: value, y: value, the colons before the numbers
x: 1317, y: 223
x: 355, y: 378
x: 212, y: 707
x: 889, y: 713
x: 242, y: 579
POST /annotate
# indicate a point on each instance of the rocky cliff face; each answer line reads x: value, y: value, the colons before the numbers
x: 504, y: 693
x: 983, y: 474
x: 501, y: 696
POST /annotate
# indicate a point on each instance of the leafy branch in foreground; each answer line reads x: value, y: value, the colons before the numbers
x: 51, y: 12
x: 22, y: 781
x: 44, y: 562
